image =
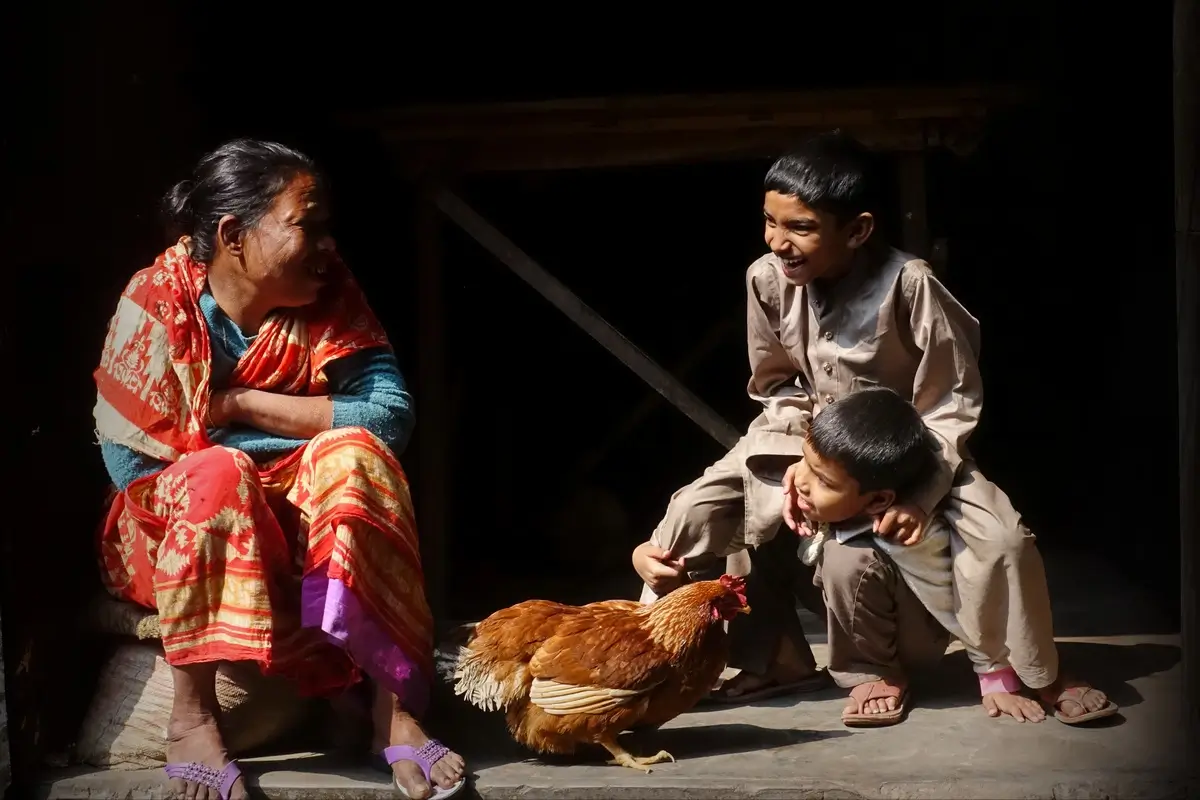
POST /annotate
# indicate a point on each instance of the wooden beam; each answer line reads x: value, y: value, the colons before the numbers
x: 680, y: 113
x: 596, y: 150
x: 632, y: 131
x: 433, y: 424
x: 1187, y: 287
x: 585, y: 317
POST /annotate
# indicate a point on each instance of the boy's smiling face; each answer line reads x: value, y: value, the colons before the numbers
x: 811, y: 244
x: 827, y: 493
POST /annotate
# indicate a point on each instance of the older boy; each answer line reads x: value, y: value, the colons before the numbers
x: 831, y: 311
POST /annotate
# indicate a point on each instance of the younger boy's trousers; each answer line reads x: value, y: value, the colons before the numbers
x: 878, y: 629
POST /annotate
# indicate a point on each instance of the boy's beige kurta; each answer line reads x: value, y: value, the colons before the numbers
x: 888, y: 322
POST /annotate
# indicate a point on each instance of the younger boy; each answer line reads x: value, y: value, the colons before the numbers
x: 832, y: 310
x: 890, y: 605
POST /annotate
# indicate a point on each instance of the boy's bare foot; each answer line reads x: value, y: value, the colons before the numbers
x: 1016, y: 706
x: 399, y: 728
x: 876, y: 704
x: 1076, y: 701
x: 791, y: 672
x: 883, y: 698
x: 747, y: 683
x: 194, y: 738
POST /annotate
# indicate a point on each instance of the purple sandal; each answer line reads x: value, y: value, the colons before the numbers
x: 424, y: 757
x: 204, y: 775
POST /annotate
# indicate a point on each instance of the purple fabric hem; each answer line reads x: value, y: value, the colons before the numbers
x: 329, y: 605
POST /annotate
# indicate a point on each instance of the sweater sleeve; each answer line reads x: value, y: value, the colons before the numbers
x: 125, y: 465
x: 369, y: 392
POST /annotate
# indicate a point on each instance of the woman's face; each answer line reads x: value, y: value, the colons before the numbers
x: 287, y: 254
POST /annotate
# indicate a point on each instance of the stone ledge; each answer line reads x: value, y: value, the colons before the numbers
x: 324, y: 781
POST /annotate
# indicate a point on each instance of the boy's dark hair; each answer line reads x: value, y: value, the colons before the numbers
x: 831, y: 172
x: 878, y: 438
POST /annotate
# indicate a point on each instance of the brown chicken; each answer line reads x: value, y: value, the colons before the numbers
x: 571, y: 675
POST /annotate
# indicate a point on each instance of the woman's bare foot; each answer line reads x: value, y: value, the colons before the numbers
x: 1016, y: 706
x: 395, y: 726
x: 192, y: 733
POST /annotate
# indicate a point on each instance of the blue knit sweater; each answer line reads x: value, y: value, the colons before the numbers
x: 367, y: 388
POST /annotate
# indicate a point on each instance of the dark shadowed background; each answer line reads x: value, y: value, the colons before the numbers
x: 1059, y: 231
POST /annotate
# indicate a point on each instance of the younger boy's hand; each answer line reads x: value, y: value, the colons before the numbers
x: 792, y: 517
x: 905, y: 523
x: 656, y: 568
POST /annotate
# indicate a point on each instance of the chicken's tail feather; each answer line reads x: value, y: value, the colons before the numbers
x: 487, y: 684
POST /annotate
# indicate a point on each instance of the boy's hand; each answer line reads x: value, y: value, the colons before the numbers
x: 657, y: 569
x: 906, y: 523
x: 792, y: 517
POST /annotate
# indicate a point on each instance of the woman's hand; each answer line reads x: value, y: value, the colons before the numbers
x: 222, y: 408
x: 279, y: 414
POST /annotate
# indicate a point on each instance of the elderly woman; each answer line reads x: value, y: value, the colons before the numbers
x: 250, y: 412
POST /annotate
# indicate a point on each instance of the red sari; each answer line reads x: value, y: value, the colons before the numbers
x: 309, y: 565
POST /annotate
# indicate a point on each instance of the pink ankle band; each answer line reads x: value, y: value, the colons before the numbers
x: 1002, y: 680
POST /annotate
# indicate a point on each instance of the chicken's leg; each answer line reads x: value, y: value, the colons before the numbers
x: 623, y: 758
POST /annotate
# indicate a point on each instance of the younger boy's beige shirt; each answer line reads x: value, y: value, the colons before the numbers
x: 885, y: 323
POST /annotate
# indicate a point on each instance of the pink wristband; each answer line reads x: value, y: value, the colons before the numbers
x: 1002, y: 680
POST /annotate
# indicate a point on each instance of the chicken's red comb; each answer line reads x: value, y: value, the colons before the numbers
x: 735, y: 584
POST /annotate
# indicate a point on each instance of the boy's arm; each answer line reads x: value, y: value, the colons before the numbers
x: 947, y: 389
x: 772, y: 372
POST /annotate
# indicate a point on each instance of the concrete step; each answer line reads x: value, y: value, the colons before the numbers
x: 798, y: 748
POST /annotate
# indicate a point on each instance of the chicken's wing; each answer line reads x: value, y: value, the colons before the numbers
x: 594, y: 663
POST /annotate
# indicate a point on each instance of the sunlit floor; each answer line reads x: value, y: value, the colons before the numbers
x: 794, y: 747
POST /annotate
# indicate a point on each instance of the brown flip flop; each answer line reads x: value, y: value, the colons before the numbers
x: 813, y: 683
x: 875, y: 690
x: 1076, y: 694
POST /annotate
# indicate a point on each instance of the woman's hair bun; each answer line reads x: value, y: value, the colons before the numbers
x: 177, y: 208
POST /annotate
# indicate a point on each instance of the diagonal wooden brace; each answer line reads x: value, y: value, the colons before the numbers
x: 585, y: 317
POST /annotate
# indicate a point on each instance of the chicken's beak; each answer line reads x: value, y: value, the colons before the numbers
x: 744, y: 609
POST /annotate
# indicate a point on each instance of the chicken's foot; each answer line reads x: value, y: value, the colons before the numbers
x: 623, y: 758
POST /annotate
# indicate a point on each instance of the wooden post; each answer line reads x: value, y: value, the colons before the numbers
x: 432, y: 502
x: 914, y: 213
x: 5, y: 761
x: 1187, y: 275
